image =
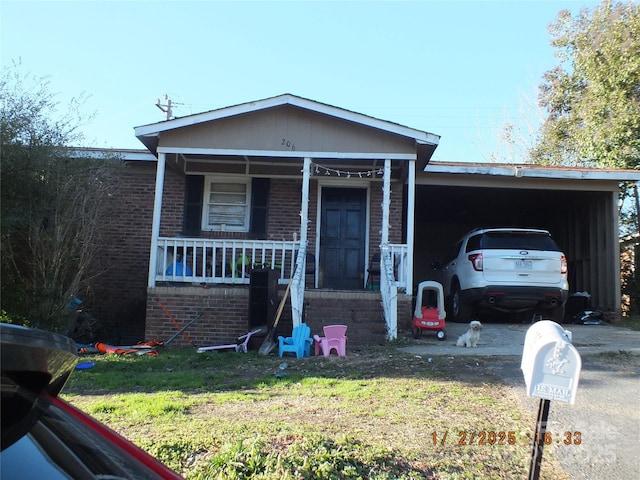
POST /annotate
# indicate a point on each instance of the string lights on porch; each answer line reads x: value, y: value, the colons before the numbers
x: 320, y: 169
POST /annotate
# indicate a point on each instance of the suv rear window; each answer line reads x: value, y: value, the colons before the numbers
x: 505, y: 240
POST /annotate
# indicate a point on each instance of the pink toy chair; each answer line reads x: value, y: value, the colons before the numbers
x: 334, y: 339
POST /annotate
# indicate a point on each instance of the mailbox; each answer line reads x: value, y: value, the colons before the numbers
x: 550, y: 363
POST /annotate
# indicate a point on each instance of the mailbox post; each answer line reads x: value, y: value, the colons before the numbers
x: 551, y: 368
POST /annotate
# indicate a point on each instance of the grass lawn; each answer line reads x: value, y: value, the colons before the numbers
x: 378, y: 413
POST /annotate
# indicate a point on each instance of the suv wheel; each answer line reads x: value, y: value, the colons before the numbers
x: 460, y: 310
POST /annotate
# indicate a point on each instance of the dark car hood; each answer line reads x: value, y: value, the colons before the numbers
x: 35, y: 365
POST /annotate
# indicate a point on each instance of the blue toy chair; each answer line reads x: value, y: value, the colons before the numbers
x: 299, y: 342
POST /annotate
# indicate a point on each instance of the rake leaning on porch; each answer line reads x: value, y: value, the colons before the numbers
x: 288, y: 188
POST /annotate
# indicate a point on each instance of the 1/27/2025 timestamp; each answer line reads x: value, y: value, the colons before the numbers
x: 488, y: 437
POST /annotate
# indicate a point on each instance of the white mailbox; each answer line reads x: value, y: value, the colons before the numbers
x: 550, y: 363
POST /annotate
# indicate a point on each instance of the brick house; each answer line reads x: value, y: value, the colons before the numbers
x: 285, y: 190
x: 223, y: 208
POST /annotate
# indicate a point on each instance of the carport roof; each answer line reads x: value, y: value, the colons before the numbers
x: 532, y: 171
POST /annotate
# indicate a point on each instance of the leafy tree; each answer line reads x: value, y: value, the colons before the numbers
x: 592, y: 98
x: 591, y: 106
x: 54, y: 207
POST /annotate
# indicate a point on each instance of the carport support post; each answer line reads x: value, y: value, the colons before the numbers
x: 539, y: 439
x: 157, y: 211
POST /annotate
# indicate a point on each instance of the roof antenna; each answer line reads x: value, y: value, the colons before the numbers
x: 166, y: 108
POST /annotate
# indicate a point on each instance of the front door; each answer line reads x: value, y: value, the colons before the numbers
x: 342, y: 238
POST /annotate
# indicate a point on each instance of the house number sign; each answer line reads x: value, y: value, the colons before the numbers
x: 288, y: 144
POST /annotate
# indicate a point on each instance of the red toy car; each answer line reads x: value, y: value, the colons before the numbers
x: 430, y: 317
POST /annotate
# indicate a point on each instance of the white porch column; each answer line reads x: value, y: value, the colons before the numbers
x: 388, y: 287
x: 386, y: 200
x: 298, y: 285
x: 411, y: 215
x: 304, y: 208
x: 155, y: 225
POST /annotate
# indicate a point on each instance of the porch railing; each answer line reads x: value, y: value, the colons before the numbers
x: 198, y: 260
x: 218, y: 261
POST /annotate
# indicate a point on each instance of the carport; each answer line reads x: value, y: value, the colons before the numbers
x: 579, y: 206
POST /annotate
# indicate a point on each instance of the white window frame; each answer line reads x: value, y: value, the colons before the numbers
x: 206, y: 205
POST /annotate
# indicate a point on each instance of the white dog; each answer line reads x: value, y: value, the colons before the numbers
x: 470, y: 337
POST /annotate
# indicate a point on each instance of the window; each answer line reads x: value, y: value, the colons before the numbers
x: 226, y: 204
x: 519, y: 240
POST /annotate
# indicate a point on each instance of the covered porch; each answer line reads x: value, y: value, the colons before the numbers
x: 331, y: 211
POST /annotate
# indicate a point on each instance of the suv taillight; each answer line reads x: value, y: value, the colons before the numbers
x: 476, y: 261
x: 563, y: 264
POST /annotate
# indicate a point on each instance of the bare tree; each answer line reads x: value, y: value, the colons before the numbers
x: 516, y: 137
x: 55, y: 203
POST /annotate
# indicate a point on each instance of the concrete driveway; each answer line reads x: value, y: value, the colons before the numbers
x: 508, y: 340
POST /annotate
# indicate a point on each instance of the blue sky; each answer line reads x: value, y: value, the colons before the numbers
x: 457, y: 69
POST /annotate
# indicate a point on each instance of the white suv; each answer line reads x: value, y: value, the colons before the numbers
x: 505, y: 269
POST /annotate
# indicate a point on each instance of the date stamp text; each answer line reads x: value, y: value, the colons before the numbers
x: 490, y: 438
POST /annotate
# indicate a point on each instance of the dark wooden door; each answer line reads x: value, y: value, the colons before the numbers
x: 342, y: 238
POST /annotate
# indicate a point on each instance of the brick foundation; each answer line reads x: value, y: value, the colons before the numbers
x: 224, y: 315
